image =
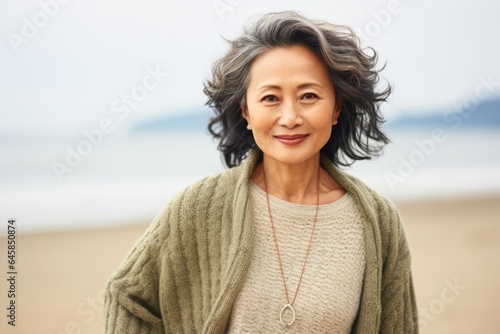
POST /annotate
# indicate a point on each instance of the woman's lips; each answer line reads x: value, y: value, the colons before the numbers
x: 291, y: 139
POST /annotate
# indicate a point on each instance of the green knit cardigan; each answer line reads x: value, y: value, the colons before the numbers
x: 185, y: 272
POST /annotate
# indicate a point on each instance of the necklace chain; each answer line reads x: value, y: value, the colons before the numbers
x: 290, y: 305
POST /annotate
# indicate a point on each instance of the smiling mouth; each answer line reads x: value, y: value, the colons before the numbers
x: 291, y: 139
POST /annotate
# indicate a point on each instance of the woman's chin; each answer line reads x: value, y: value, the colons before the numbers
x: 291, y: 157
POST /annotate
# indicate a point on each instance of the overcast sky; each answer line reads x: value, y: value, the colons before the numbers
x: 67, y: 73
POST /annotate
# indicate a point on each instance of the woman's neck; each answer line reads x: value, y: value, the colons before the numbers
x: 296, y: 183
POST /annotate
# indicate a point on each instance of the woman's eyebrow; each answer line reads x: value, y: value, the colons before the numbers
x: 304, y: 85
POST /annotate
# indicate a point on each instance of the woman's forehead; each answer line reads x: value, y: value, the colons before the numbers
x: 295, y: 65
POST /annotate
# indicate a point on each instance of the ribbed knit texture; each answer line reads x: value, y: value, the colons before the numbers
x: 329, y: 295
x: 185, y: 273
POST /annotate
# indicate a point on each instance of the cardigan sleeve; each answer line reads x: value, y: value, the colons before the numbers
x: 399, y: 310
x: 131, y: 296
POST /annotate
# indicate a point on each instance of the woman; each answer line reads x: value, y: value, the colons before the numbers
x: 283, y: 241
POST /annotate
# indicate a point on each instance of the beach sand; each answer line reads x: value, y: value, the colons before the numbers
x: 455, y: 248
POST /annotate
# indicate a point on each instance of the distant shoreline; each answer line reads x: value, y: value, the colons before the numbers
x: 404, y: 205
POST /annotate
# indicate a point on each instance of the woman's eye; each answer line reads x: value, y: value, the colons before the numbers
x: 309, y: 96
x: 270, y: 98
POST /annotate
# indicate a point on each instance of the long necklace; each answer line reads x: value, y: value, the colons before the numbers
x: 289, y: 305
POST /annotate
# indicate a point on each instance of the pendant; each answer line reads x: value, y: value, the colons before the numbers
x: 287, y: 306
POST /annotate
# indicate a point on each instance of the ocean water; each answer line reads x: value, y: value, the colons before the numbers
x: 128, y: 178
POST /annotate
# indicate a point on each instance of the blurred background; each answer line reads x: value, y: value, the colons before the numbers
x: 103, y: 121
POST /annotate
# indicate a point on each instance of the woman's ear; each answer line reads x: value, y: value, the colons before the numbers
x: 336, y: 112
x: 244, y: 110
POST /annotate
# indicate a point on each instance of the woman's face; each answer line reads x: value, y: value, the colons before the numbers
x: 291, y: 104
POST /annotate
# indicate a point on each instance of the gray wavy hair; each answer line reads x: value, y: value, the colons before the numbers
x: 352, y: 72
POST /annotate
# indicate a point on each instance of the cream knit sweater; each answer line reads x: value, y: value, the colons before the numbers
x: 328, y: 297
x: 185, y: 273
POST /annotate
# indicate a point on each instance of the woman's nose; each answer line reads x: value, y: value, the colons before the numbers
x: 290, y: 116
